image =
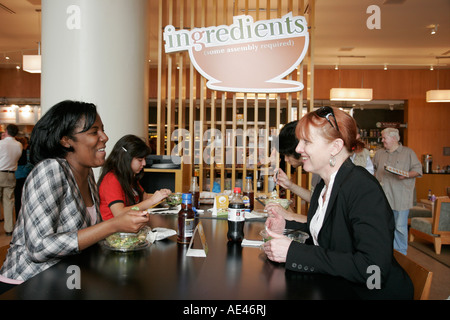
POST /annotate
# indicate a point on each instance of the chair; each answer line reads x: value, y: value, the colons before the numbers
x: 436, y: 229
x: 422, y: 209
x: 420, y: 277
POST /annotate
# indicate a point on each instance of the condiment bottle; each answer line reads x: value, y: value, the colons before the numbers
x: 260, y: 183
x: 248, y: 195
x: 236, y: 217
x: 195, y: 191
x: 186, y: 220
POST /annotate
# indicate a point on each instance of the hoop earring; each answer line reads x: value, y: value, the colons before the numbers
x: 332, y: 161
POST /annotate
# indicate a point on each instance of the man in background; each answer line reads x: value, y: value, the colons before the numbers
x: 10, y: 152
x: 286, y: 144
x: 399, y: 189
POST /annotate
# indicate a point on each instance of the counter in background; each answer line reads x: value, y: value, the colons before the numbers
x: 437, y: 182
x: 166, y: 172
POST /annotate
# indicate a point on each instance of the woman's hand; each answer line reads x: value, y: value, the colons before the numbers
x: 282, y: 179
x: 275, y: 221
x: 274, y: 207
x: 160, y: 195
x: 131, y: 221
x: 277, y: 247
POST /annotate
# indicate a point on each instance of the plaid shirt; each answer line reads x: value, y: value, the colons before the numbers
x: 52, y: 212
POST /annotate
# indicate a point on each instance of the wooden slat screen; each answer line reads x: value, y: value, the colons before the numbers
x: 184, y: 101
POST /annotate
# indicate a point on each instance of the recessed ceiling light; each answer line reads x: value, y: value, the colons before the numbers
x: 433, y: 28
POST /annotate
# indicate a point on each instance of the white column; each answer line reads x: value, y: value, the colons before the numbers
x: 96, y: 51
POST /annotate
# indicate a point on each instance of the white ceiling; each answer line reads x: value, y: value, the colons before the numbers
x: 341, y: 34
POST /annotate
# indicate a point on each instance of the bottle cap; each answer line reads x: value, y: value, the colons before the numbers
x: 248, y: 177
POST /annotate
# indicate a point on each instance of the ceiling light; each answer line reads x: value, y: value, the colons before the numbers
x: 32, y: 63
x: 438, y: 96
x: 434, y: 30
x: 351, y: 94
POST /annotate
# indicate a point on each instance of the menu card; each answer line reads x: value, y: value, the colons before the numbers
x: 198, y: 252
x: 220, y: 207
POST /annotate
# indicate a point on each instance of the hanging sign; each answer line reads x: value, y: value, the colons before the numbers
x: 246, y: 56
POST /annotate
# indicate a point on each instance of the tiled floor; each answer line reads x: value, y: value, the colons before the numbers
x: 440, y: 286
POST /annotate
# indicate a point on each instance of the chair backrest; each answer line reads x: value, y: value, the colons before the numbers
x: 441, y: 218
x: 420, y: 277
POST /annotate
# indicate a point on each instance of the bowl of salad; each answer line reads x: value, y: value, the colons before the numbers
x: 127, y: 241
x: 174, y: 199
x: 273, y: 198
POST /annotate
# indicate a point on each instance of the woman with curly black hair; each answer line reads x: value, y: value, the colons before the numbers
x: 60, y: 213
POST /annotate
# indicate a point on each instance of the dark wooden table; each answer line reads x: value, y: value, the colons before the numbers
x: 164, y: 272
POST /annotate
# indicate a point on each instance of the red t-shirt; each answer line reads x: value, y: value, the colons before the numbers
x: 111, y: 192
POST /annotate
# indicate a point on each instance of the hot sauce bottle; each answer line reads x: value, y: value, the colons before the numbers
x: 186, y: 220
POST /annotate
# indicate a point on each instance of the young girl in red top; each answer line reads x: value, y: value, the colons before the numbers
x: 119, y: 185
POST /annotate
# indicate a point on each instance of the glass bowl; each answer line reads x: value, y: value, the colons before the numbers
x: 295, y: 235
x: 174, y: 199
x: 284, y: 203
x: 264, y: 235
x: 127, y: 241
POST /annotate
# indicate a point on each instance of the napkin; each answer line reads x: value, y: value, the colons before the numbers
x: 163, y: 210
x: 160, y: 234
x: 251, y: 243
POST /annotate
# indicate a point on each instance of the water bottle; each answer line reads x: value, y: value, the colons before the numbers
x: 236, y: 217
x: 186, y: 220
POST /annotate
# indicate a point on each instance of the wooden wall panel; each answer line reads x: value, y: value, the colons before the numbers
x: 19, y: 84
x: 428, y: 129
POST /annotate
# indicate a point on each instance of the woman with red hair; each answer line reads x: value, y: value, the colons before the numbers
x: 350, y: 222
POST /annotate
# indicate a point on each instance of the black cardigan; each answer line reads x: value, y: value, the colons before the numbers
x: 357, y: 232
